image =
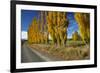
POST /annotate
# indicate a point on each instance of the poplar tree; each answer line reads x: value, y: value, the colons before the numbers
x: 75, y: 36
x: 83, y: 20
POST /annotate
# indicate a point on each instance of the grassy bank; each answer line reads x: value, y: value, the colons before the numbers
x: 65, y: 53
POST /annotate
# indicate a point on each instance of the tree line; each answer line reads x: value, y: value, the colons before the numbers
x: 56, y: 24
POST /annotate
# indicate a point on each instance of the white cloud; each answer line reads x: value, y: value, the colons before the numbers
x: 24, y: 35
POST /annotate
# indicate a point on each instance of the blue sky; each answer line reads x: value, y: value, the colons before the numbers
x: 73, y: 26
x: 28, y: 15
x: 26, y: 18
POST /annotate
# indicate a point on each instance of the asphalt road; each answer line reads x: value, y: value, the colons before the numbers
x: 27, y: 55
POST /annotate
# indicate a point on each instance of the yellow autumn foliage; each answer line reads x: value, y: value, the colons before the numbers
x: 83, y: 20
x: 75, y: 36
x: 57, y: 27
x: 34, y: 34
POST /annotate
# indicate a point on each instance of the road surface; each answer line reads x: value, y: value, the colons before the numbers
x: 27, y: 55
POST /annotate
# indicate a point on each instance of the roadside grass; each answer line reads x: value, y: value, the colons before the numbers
x: 75, y: 51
